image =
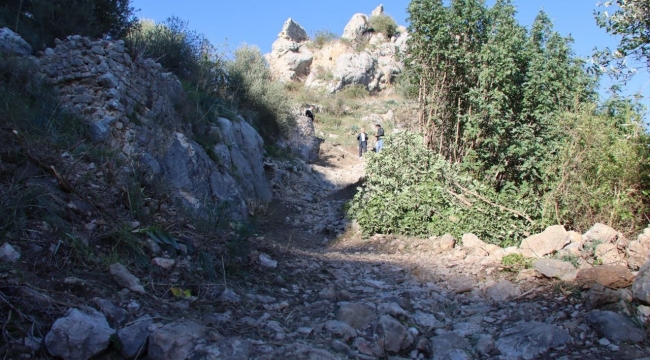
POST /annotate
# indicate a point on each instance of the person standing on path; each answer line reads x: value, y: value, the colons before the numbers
x: 380, y: 138
x: 363, y: 142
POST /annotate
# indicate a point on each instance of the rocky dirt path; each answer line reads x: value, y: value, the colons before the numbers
x: 308, y: 286
x: 333, y: 295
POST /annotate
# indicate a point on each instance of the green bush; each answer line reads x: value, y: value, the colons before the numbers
x: 323, y: 37
x: 40, y: 22
x: 356, y: 91
x: 249, y: 81
x: 411, y: 190
x: 383, y: 24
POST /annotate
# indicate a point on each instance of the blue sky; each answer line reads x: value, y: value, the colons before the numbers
x: 257, y: 22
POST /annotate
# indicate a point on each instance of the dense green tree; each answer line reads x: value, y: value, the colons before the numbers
x: 40, y: 22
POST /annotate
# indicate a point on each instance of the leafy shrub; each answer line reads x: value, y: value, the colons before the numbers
x: 323, y: 37
x: 40, y: 22
x: 411, y: 190
x: 383, y: 24
x: 249, y: 81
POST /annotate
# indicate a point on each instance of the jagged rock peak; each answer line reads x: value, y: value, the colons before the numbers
x: 379, y: 10
x: 356, y: 27
x: 291, y: 30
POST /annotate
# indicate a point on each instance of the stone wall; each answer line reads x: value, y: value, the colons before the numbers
x: 130, y: 105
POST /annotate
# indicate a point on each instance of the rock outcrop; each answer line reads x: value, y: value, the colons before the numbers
x: 12, y: 44
x: 360, y: 57
x: 131, y: 106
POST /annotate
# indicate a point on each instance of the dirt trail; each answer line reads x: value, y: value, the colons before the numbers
x: 349, y: 297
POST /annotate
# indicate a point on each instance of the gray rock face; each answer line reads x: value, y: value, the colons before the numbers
x: 554, y: 238
x: 79, y: 335
x: 133, y: 338
x: 302, y: 140
x: 615, y: 327
x: 528, y: 340
x: 290, y: 59
x: 8, y: 253
x: 553, y: 268
x: 354, y: 69
x: 245, y: 148
x: 175, y: 340
x: 134, y: 111
x: 356, y: 315
x: 12, y: 44
x: 641, y: 285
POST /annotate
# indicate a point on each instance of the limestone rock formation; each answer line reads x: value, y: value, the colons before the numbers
x: 290, y: 58
x: 361, y: 57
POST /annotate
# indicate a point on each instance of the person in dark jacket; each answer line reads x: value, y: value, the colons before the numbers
x: 380, y: 138
x: 310, y: 112
x: 363, y: 142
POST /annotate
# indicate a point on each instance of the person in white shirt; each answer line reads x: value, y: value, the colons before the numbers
x: 363, y: 142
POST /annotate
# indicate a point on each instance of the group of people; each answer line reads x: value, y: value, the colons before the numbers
x: 363, y: 140
x: 362, y: 137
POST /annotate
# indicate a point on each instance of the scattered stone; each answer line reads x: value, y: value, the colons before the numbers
x: 370, y: 348
x: 472, y: 242
x: 115, y: 315
x: 611, y: 276
x: 229, y: 296
x: 79, y: 335
x: 266, y: 261
x: 615, y: 327
x: 446, y: 345
x: 461, y: 284
x: 427, y: 320
x: 356, y: 315
x: 298, y: 351
x: 503, y: 290
x: 485, y: 345
x: 164, y: 263
x: 175, y: 340
x: 133, y: 339
x: 447, y: 242
x: 340, y: 329
x: 124, y: 278
x: 226, y: 348
x: 7, y: 252
x: 531, y: 339
x: 556, y: 269
x: 599, y: 296
x: 395, y: 335
x: 554, y: 238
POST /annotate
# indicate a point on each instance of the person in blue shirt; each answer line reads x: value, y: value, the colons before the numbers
x: 380, y: 138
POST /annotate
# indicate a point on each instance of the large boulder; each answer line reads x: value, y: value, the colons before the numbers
x: 601, y: 232
x: 354, y: 69
x: 553, y: 268
x: 291, y: 30
x: 12, y: 44
x: 639, y: 250
x: 175, y: 340
x: 79, y: 335
x: 553, y: 239
x: 611, y: 276
x: 615, y: 327
x: 356, y: 27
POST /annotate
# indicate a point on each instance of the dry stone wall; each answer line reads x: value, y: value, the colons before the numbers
x: 131, y: 106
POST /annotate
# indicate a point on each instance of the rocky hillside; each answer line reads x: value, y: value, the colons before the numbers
x: 361, y: 56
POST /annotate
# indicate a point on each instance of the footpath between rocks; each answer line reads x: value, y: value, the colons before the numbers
x: 314, y: 289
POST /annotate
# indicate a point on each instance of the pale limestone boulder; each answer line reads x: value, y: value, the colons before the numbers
x: 356, y: 27
x: 553, y: 239
x: 601, y: 232
x: 291, y: 30
x: 79, y: 335
x: 354, y: 69
x: 609, y: 254
x: 639, y: 250
x: 379, y: 10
